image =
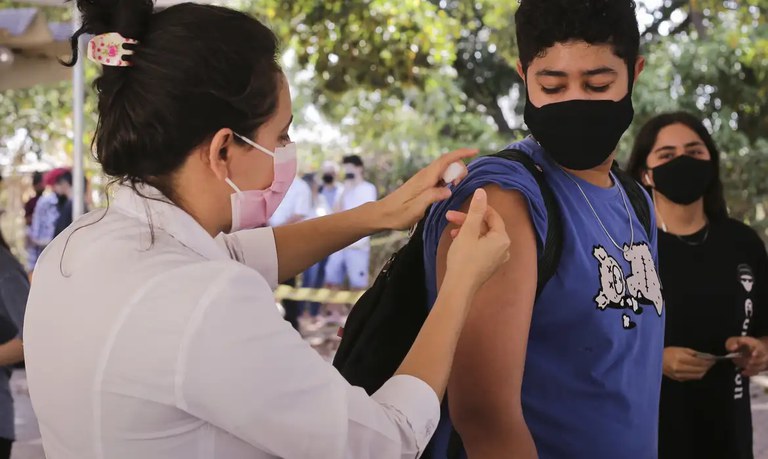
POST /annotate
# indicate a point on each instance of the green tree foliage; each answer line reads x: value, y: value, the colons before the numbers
x: 706, y: 56
x: 711, y: 58
x: 403, y: 80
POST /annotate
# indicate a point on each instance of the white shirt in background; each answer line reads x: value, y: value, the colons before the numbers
x: 355, y: 195
x: 168, y: 345
x: 321, y: 206
x: 296, y: 203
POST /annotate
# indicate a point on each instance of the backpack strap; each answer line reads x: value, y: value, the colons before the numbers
x: 636, y: 197
x: 553, y: 245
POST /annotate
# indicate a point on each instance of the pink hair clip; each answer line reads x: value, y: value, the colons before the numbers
x: 109, y: 49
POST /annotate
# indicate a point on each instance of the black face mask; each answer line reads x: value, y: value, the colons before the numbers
x: 684, y: 179
x: 328, y: 179
x: 350, y: 176
x: 580, y: 134
x: 62, y: 198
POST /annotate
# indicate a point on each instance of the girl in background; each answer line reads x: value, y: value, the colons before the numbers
x: 714, y: 272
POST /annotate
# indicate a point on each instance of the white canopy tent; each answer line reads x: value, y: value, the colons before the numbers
x: 34, y: 45
x: 30, y: 47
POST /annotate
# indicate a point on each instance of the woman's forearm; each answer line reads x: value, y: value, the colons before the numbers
x: 301, y: 245
x: 431, y: 356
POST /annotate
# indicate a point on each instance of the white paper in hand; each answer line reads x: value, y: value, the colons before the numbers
x: 707, y: 356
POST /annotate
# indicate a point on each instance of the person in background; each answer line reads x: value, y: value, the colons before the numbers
x: 14, y: 289
x: 330, y: 189
x: 43, y: 228
x: 63, y: 190
x: 314, y: 277
x: 38, y: 185
x: 714, y: 270
x: 295, y: 207
x: 351, y: 265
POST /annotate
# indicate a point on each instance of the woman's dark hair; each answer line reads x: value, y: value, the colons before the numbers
x: 714, y: 201
x: 196, y: 69
x: 543, y: 23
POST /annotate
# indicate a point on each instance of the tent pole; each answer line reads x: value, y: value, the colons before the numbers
x: 78, y: 91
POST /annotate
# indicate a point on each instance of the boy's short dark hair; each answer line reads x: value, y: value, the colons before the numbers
x: 543, y: 23
x: 353, y: 160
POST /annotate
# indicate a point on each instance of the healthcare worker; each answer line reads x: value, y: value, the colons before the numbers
x: 149, y: 334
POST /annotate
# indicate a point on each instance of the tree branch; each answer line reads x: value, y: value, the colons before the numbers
x: 697, y: 18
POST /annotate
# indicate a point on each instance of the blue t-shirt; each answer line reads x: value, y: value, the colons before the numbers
x: 593, y: 365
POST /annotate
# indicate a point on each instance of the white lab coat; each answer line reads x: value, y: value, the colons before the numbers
x: 173, y: 348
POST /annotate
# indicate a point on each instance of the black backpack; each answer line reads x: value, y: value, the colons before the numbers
x: 385, y: 321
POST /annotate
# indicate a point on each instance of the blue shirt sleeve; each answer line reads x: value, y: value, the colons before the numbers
x: 509, y: 175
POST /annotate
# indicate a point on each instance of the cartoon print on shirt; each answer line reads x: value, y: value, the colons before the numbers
x: 612, y: 283
x: 747, y: 280
x: 644, y: 283
x: 626, y: 321
x: 619, y: 292
x: 746, y: 277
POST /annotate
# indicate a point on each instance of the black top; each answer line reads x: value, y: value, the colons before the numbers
x: 65, y: 217
x: 14, y: 289
x: 715, y: 287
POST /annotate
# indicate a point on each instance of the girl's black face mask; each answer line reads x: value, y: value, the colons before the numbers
x: 580, y: 134
x: 683, y: 180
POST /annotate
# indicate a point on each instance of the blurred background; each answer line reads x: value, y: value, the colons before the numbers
x: 400, y: 81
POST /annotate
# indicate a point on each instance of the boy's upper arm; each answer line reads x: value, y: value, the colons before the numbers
x: 488, y: 367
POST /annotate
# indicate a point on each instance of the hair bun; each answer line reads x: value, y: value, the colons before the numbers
x: 129, y: 18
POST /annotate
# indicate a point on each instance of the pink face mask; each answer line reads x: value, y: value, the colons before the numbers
x: 253, y: 208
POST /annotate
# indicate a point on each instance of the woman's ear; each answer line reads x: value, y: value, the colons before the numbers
x: 217, y: 156
x: 647, y: 178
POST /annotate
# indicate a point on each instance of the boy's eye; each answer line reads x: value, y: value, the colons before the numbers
x: 554, y: 90
x: 598, y: 88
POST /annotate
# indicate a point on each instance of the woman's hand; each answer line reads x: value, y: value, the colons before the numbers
x: 754, y: 354
x: 301, y: 245
x: 682, y: 364
x: 406, y: 206
x: 480, y: 245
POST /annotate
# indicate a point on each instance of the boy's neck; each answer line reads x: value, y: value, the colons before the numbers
x: 599, y: 176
